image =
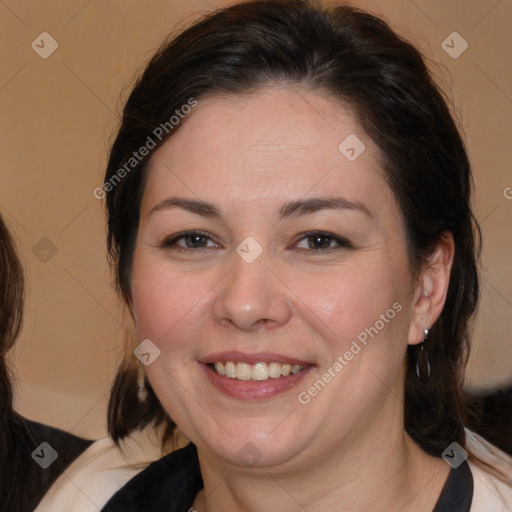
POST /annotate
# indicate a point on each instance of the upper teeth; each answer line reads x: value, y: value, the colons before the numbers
x: 258, y: 371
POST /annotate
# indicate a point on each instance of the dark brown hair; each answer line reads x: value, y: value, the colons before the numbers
x: 11, y: 318
x: 22, y: 482
x: 359, y: 60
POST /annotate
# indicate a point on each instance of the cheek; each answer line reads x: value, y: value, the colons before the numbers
x: 358, y: 302
x: 361, y: 314
x: 159, y: 298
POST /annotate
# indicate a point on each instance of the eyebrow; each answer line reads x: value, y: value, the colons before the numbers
x: 292, y: 209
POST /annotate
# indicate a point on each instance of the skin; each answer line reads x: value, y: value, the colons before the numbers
x: 346, y: 449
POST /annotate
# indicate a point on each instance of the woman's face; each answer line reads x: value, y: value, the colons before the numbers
x: 267, y: 245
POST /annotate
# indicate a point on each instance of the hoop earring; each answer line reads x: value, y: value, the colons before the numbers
x: 422, y: 360
x: 142, y: 392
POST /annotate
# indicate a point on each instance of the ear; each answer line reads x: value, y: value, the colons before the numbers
x: 431, y: 289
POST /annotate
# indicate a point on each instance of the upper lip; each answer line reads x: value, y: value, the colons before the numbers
x: 260, y: 357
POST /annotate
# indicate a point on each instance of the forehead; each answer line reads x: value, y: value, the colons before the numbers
x: 258, y: 147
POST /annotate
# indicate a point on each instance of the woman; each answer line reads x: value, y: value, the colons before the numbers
x: 33, y: 455
x: 289, y: 223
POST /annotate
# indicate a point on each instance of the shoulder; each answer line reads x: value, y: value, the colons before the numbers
x: 100, y: 471
x: 491, y: 491
x: 170, y: 483
x: 67, y: 445
x: 46, y: 451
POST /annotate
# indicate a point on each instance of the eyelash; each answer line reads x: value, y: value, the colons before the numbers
x: 170, y: 243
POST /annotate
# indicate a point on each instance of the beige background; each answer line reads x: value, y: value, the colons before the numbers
x: 58, y: 117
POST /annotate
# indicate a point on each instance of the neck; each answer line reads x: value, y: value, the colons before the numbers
x: 376, y: 467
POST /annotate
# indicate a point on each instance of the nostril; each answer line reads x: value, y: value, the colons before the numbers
x: 263, y: 322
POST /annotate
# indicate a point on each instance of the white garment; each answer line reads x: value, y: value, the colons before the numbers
x: 102, y: 469
x: 90, y: 481
x: 490, y: 493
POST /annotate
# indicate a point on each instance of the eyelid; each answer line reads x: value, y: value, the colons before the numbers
x: 343, y: 243
x: 172, y: 241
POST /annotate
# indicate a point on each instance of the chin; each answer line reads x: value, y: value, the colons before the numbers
x: 244, y: 446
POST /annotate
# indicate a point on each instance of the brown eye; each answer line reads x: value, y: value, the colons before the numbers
x: 189, y: 241
x: 194, y: 241
x: 318, y: 241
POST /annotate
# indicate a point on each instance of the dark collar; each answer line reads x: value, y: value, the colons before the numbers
x: 169, y: 484
x: 172, y: 483
x: 457, y: 493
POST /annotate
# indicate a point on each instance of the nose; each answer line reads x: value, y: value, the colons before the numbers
x: 252, y: 297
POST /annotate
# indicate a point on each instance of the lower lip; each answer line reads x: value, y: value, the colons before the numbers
x: 253, y: 390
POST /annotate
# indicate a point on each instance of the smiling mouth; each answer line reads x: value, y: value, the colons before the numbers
x: 254, y: 372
